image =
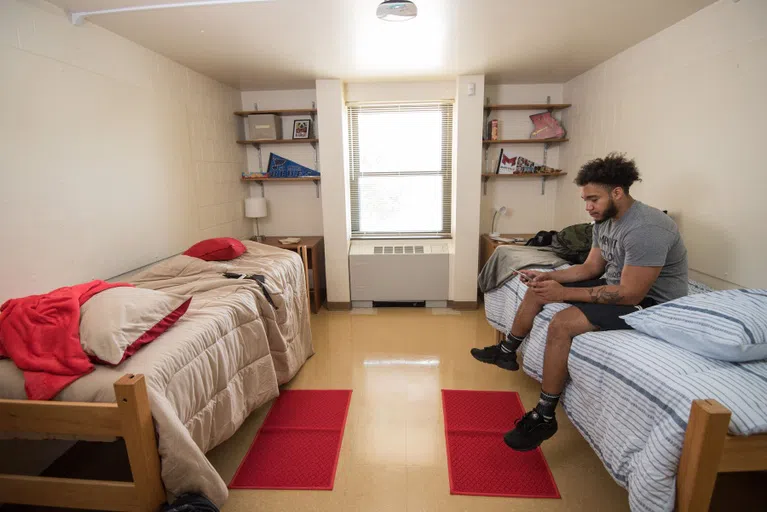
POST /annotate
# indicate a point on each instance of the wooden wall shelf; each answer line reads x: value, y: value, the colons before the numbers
x: 543, y: 175
x: 279, y: 141
x: 529, y: 106
x: 286, y: 112
x: 311, y: 112
x: 523, y: 141
x: 267, y: 178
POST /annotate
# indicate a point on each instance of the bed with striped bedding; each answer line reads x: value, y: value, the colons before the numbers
x: 629, y: 395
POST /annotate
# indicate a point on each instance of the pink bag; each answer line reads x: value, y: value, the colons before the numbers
x: 545, y: 126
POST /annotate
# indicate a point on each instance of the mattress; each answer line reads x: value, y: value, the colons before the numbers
x: 629, y: 395
x: 215, y: 366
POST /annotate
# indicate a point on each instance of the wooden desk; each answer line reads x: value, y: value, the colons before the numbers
x: 487, y: 245
x: 312, y: 252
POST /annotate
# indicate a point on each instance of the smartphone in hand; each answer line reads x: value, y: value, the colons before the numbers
x: 522, y: 277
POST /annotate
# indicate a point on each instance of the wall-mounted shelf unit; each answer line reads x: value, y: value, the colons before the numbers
x: 279, y: 141
x: 284, y: 112
x: 261, y: 179
x: 311, y: 112
x: 486, y: 142
x: 529, y: 106
x: 543, y: 175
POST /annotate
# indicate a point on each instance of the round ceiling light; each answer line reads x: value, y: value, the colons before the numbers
x: 395, y: 10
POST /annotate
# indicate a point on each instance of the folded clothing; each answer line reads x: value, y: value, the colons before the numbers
x: 40, y: 334
x: 508, y: 258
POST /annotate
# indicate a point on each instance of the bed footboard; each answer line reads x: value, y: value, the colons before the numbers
x: 129, y: 418
x: 708, y: 450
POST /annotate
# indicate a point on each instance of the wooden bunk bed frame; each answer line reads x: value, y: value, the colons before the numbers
x: 709, y: 450
x: 130, y: 418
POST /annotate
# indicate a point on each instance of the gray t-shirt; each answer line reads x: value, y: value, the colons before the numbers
x: 644, y: 237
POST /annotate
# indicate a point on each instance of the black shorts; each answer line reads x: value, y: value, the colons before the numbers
x: 606, y: 316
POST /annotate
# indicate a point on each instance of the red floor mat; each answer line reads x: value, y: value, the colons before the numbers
x: 298, y: 444
x: 479, y: 462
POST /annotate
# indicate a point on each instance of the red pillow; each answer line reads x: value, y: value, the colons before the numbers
x: 216, y: 249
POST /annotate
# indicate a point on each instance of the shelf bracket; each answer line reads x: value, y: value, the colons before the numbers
x: 543, y: 185
x: 316, y: 156
x: 484, y: 185
x: 260, y: 162
x: 317, y: 186
x: 546, y: 145
x: 314, y: 134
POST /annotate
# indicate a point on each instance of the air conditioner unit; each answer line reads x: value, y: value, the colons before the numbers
x: 399, y: 271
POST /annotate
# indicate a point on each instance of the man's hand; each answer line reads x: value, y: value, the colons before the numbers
x: 548, y: 291
x: 535, y: 276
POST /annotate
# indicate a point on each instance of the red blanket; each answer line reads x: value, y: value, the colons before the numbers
x: 41, y: 335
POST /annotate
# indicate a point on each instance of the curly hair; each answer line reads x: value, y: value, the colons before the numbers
x: 612, y: 171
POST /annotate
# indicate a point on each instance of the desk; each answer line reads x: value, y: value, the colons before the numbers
x: 312, y: 252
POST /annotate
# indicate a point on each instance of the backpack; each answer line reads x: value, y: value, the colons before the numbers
x: 541, y: 239
x: 573, y: 243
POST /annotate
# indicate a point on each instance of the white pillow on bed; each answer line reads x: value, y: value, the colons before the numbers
x: 115, y: 323
x: 728, y: 325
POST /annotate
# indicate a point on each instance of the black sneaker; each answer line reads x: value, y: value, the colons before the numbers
x: 494, y: 355
x: 530, y: 431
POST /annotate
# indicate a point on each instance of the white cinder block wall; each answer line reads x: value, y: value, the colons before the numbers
x: 689, y: 105
x: 111, y: 156
x: 293, y: 207
x: 528, y: 210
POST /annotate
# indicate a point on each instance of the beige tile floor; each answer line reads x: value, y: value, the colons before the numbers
x: 393, y: 452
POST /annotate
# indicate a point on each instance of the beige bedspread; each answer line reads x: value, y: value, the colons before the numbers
x: 288, y: 327
x: 214, y: 366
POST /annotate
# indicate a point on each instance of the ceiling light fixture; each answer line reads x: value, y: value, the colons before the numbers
x: 77, y: 18
x: 395, y: 10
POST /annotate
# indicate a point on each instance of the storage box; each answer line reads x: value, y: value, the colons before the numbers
x: 264, y: 127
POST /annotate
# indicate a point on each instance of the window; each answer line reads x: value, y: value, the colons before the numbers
x: 401, y: 169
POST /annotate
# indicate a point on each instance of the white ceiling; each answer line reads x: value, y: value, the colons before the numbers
x: 290, y: 43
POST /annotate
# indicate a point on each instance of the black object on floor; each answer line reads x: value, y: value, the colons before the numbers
x: 191, y: 503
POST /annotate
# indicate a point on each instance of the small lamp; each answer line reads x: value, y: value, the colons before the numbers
x: 500, y: 211
x: 255, y: 208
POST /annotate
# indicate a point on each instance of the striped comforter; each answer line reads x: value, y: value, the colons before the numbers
x: 629, y: 395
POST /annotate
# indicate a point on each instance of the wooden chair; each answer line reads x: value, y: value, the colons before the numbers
x: 129, y: 418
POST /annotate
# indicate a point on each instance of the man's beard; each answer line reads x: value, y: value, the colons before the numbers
x: 610, y: 212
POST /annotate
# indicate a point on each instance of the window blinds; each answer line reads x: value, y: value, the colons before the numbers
x: 401, y: 159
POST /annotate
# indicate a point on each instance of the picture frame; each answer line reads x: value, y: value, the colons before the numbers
x: 302, y: 128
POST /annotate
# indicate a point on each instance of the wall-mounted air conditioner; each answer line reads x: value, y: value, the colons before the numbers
x: 399, y: 271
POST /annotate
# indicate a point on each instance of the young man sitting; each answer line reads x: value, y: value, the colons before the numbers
x: 644, y: 262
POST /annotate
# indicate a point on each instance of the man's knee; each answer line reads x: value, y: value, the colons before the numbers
x: 570, y: 323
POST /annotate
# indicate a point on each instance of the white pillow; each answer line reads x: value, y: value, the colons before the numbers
x: 729, y: 325
x: 118, y: 321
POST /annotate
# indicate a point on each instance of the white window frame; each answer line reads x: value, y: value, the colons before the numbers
x: 446, y: 172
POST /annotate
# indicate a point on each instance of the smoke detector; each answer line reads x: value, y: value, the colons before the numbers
x: 395, y: 10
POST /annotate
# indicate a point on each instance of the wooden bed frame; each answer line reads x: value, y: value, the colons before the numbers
x: 709, y: 450
x: 129, y: 418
